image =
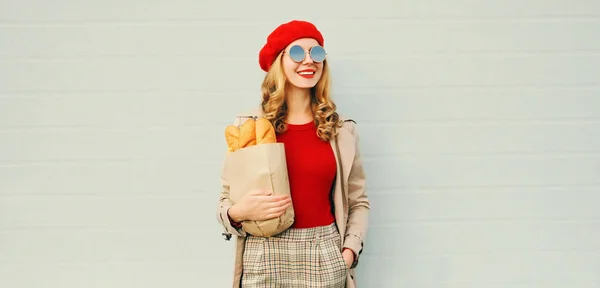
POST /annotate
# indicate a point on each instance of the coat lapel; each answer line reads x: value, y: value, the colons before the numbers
x: 344, y: 155
x: 346, y: 145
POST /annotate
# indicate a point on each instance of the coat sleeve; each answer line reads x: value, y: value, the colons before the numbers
x: 222, y: 212
x: 358, y: 202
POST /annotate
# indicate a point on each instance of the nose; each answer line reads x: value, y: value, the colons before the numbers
x: 307, y: 58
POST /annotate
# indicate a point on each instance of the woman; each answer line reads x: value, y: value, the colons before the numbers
x: 326, y: 176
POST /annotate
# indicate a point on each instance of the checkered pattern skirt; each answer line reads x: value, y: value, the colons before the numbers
x: 309, y: 257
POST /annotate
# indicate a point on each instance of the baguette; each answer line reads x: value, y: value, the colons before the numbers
x: 251, y: 132
x: 247, y: 134
x: 232, y: 135
x: 265, y: 133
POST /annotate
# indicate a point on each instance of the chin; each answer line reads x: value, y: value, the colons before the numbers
x: 304, y: 83
x: 306, y: 86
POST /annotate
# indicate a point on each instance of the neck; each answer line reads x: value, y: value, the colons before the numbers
x: 298, y: 104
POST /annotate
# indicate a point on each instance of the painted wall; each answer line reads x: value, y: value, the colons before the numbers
x: 480, y: 125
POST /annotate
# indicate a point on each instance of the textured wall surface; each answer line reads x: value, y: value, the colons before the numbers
x: 480, y: 125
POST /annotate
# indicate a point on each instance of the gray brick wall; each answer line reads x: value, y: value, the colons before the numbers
x: 483, y: 163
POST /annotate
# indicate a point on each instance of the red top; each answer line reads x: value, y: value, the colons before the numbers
x: 312, y: 170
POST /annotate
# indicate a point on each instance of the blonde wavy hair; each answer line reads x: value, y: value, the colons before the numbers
x: 274, y: 106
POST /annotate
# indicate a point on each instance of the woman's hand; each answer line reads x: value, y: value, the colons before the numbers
x: 259, y: 205
x: 348, y: 257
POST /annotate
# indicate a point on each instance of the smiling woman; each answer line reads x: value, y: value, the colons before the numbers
x: 326, y: 178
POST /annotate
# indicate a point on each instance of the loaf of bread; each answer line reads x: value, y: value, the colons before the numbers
x: 232, y: 135
x: 250, y: 133
x: 265, y: 133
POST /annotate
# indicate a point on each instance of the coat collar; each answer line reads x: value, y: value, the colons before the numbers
x: 346, y: 145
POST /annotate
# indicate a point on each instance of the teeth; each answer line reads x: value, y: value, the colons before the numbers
x: 306, y: 73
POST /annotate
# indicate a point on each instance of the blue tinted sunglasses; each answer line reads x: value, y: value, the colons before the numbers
x: 317, y: 53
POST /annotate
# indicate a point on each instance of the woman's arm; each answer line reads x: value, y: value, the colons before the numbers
x: 229, y: 226
x: 358, y: 202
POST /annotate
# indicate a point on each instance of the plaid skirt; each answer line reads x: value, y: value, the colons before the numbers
x: 309, y: 257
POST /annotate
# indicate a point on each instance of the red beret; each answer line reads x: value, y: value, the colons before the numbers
x: 282, y: 36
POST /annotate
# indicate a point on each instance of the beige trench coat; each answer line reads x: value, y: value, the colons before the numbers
x: 349, y: 197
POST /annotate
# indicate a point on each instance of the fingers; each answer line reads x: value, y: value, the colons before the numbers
x: 280, y: 207
x: 277, y: 209
x: 276, y: 212
x: 272, y: 202
x: 266, y: 205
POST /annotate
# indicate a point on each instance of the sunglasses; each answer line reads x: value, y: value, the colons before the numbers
x: 317, y: 53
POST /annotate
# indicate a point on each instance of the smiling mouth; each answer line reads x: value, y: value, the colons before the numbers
x: 307, y: 73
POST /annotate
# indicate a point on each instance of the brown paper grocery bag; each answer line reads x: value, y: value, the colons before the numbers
x: 261, y: 166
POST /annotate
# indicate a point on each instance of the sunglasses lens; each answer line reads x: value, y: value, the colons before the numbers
x: 297, y: 53
x: 317, y: 54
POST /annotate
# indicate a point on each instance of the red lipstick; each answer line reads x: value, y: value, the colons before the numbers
x: 307, y: 73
